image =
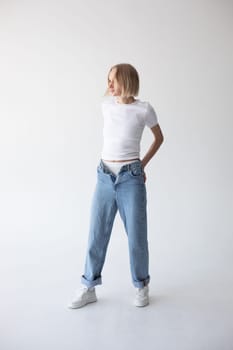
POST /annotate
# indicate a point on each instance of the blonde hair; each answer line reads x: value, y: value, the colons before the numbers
x: 128, y: 79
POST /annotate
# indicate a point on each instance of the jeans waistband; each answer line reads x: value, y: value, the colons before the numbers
x: 126, y: 167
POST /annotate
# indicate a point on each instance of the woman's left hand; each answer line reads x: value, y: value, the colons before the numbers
x: 144, y: 176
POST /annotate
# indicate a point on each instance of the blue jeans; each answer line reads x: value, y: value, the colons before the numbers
x: 126, y: 192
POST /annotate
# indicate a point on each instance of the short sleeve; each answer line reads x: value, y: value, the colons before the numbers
x: 151, y: 118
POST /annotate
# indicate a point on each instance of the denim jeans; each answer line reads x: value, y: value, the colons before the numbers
x: 125, y: 192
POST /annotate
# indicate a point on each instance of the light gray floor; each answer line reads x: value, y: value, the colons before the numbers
x: 186, y: 313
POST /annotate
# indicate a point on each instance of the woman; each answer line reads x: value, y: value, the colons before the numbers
x: 121, y: 184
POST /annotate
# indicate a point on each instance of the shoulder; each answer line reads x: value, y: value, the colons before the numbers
x: 107, y: 100
x: 151, y: 117
x: 148, y: 106
x: 144, y: 103
x: 150, y: 110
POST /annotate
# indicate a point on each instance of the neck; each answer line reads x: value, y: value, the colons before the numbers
x: 125, y: 99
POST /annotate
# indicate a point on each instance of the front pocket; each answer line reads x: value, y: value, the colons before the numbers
x: 137, y: 171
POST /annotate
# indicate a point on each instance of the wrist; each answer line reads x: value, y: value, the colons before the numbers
x: 143, y: 165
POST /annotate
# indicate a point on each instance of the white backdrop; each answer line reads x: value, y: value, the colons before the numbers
x: 54, y: 59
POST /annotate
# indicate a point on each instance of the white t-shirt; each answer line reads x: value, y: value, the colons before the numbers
x: 123, y: 127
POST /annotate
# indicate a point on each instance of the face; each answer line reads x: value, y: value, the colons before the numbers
x: 114, y: 87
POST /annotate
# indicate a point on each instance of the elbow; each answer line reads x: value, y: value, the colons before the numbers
x: 160, y: 139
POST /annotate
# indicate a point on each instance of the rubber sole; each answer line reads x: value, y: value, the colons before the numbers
x: 81, y: 304
x: 141, y: 304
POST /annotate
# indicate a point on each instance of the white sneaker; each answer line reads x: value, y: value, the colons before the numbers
x: 84, y: 296
x: 142, y: 296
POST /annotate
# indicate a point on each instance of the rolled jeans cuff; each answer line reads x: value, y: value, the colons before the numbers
x: 91, y: 283
x: 141, y: 284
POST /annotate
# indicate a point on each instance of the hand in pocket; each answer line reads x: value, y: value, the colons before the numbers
x: 144, y: 176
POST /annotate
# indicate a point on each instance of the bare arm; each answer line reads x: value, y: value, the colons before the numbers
x: 158, y: 135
